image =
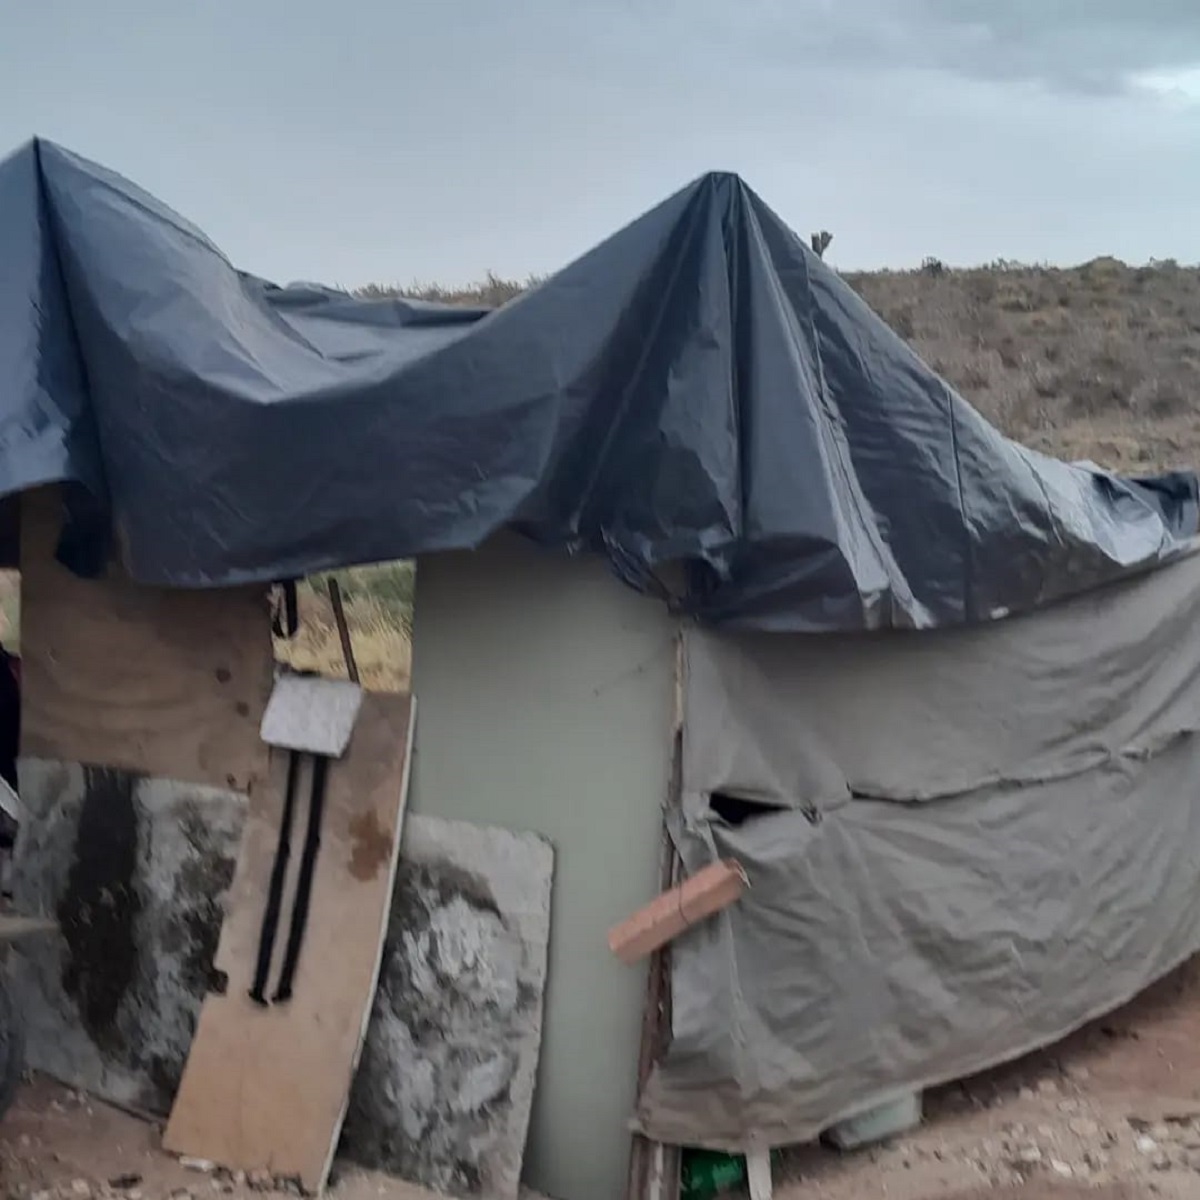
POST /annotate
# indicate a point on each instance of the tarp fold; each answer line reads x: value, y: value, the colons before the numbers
x: 698, y: 390
x: 968, y: 843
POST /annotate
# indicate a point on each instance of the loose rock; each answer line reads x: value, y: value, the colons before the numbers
x: 202, y: 1165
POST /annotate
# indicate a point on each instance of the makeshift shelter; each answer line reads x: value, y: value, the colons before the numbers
x: 935, y: 692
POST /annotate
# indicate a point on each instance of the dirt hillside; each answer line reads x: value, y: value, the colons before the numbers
x: 1099, y: 361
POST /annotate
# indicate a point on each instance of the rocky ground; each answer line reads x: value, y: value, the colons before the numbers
x: 1111, y: 1114
x: 57, y: 1144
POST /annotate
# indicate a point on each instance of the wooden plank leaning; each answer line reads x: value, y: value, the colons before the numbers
x: 654, y: 1169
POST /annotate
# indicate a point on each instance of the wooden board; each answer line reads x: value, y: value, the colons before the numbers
x: 710, y: 890
x: 267, y: 1088
x: 168, y: 684
x: 12, y: 928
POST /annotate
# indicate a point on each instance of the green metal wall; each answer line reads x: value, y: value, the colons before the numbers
x: 544, y: 694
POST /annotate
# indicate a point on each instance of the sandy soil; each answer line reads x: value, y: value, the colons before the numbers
x: 1111, y: 1114
x: 56, y: 1143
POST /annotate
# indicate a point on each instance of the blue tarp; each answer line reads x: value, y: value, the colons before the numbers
x: 700, y: 390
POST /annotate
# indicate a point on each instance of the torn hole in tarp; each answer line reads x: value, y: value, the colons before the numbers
x: 735, y: 811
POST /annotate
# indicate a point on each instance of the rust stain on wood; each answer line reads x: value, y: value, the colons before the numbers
x: 370, y: 845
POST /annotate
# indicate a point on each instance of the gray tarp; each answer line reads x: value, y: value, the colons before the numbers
x: 986, y: 837
x: 700, y: 389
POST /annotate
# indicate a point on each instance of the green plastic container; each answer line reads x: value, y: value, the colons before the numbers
x: 708, y: 1173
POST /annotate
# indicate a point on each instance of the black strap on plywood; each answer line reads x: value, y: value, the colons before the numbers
x: 308, y: 862
x: 283, y: 850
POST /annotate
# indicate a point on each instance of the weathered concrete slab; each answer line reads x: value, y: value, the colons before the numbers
x: 445, y: 1086
x: 135, y: 871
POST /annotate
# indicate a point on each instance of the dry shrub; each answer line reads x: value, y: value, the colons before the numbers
x: 1054, y: 357
x: 1100, y: 361
x: 379, y: 615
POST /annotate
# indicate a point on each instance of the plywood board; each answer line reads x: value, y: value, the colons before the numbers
x: 267, y: 1088
x: 444, y: 1091
x: 170, y: 684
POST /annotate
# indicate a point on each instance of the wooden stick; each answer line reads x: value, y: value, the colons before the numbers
x: 655, y: 1169
x: 710, y: 890
x: 339, y: 617
x: 758, y: 1171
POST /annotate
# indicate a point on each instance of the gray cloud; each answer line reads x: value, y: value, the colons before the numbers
x: 374, y: 140
x: 1084, y: 45
x: 1092, y: 47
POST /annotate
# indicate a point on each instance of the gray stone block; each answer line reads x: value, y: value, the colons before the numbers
x: 135, y: 871
x: 444, y: 1090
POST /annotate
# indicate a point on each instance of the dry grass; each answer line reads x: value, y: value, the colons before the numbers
x: 490, y: 292
x: 379, y: 615
x: 382, y: 648
x: 1100, y: 361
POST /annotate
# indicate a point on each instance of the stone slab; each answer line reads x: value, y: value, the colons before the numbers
x: 134, y: 871
x: 306, y: 712
x: 445, y: 1086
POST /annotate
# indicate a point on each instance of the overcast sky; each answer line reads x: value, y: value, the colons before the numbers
x: 350, y: 141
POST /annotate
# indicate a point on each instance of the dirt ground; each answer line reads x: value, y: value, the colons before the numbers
x: 56, y: 1143
x: 59, y: 1143
x: 1111, y: 1114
